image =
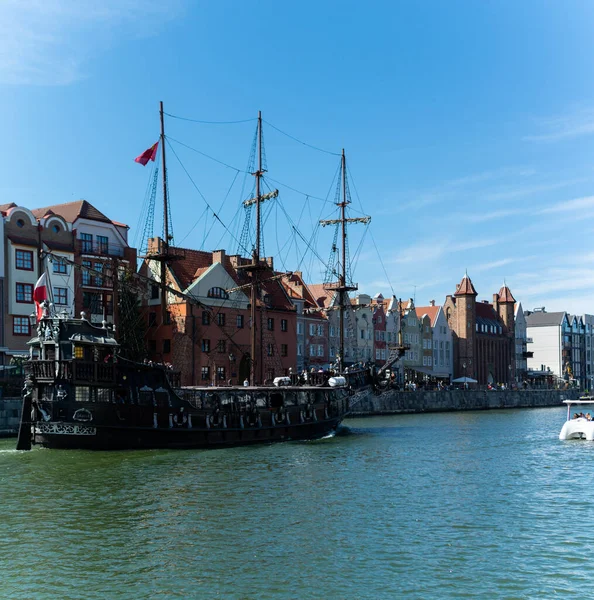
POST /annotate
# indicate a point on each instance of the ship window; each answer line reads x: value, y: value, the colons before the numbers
x: 103, y: 395
x: 66, y: 351
x: 145, y: 396
x: 162, y: 398
x: 261, y: 400
x: 47, y: 393
x: 82, y: 394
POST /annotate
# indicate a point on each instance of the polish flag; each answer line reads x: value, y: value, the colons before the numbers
x: 40, y: 294
x: 147, y: 155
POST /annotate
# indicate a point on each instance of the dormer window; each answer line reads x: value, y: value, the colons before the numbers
x: 218, y: 292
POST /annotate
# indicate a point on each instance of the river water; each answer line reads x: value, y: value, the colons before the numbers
x: 459, y: 505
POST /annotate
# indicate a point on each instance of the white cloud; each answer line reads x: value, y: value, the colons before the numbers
x: 569, y: 205
x: 47, y: 42
x: 572, y: 125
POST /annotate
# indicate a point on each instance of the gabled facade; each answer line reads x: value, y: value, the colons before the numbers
x: 97, y: 245
x: 312, y: 324
x: 411, y: 335
x: 212, y: 345
x: 521, y: 341
x: 441, y: 337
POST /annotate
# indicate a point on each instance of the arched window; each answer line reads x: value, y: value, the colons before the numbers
x: 217, y: 292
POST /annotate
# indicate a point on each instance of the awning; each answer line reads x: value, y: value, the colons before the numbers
x: 430, y: 372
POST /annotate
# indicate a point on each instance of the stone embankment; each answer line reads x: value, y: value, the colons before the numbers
x: 10, y: 416
x: 393, y: 402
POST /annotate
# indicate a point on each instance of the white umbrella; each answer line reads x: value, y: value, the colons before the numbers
x: 464, y: 380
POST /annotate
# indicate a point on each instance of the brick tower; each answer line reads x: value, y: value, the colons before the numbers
x: 505, y: 308
x: 465, y: 326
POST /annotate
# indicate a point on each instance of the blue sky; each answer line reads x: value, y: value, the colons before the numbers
x: 468, y: 127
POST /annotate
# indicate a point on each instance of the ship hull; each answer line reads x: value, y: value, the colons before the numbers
x: 89, y: 437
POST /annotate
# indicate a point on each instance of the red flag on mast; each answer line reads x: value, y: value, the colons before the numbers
x: 39, y: 295
x: 147, y: 155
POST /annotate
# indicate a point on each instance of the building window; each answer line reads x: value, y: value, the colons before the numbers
x: 205, y: 317
x: 205, y: 345
x: 166, y: 346
x: 299, y: 328
x: 312, y: 329
x: 103, y: 244
x: 377, y: 355
x: 221, y: 373
x: 332, y: 334
x: 21, y: 326
x: 98, y: 277
x: 205, y: 374
x: 154, y: 291
x: 239, y: 321
x: 221, y: 346
x: 24, y: 293
x: 86, y: 242
x: 20, y: 223
x: 60, y: 266
x: 220, y: 318
x: 217, y: 292
x: 284, y: 350
x: 320, y: 350
x: 86, y: 275
x: 270, y: 349
x: 312, y: 350
x: 152, y: 347
x: 270, y: 324
x: 24, y: 260
x: 152, y: 319
x: 320, y: 330
x: 284, y: 324
x: 299, y: 349
x: 61, y: 296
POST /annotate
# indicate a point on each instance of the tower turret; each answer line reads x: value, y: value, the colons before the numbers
x: 465, y: 327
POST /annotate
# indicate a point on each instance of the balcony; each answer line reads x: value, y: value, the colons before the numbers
x: 527, y: 354
x: 74, y: 371
x: 93, y: 248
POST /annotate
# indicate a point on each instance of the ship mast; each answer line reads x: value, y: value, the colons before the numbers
x: 256, y: 265
x: 164, y: 250
x: 342, y: 287
x: 256, y: 364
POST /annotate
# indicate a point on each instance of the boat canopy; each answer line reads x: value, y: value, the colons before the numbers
x: 87, y: 338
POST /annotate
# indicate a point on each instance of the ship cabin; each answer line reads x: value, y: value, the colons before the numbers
x: 75, y: 353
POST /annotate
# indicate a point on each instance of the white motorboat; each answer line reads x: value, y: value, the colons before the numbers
x: 578, y: 426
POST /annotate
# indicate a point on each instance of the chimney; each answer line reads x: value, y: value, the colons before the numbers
x: 432, y: 302
x: 234, y: 259
x: 218, y: 256
x: 270, y: 262
x: 496, y: 302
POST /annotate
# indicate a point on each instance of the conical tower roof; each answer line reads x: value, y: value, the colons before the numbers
x: 505, y: 295
x: 465, y: 288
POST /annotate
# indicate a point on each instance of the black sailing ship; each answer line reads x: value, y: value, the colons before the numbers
x: 80, y: 393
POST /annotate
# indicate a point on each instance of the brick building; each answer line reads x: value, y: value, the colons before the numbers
x: 212, y: 344
x: 483, y: 334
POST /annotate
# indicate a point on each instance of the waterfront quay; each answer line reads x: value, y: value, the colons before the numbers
x: 402, y: 402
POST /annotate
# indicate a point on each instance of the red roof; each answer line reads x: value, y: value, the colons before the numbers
x: 430, y: 311
x: 70, y: 211
x: 5, y: 207
x: 505, y: 295
x: 465, y: 288
x: 322, y: 296
x: 196, y: 262
x: 486, y: 311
